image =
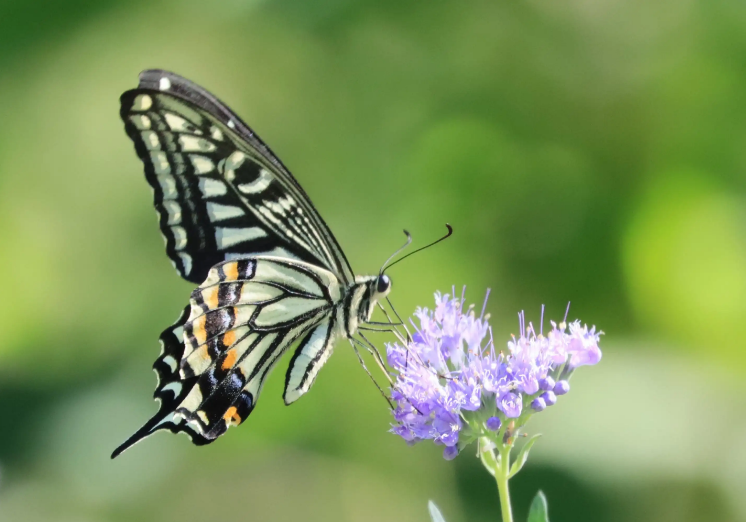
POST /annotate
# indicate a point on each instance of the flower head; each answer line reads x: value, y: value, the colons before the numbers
x: 451, y: 386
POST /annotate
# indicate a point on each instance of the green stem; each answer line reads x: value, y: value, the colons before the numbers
x: 501, y: 476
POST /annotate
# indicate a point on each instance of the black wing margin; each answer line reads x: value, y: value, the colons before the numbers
x: 171, y: 389
x: 219, y: 190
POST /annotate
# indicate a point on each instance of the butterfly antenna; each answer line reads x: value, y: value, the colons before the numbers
x: 450, y: 231
x: 398, y: 250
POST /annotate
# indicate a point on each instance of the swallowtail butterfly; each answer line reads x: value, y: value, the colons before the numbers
x: 269, y: 270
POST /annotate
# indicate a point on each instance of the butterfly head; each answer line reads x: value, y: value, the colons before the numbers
x: 368, y: 291
x: 383, y: 285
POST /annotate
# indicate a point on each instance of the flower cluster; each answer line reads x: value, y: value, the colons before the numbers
x: 451, y: 385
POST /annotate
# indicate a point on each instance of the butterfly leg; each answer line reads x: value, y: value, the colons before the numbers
x: 362, y: 363
x: 394, y: 325
x: 376, y: 355
x: 409, y: 337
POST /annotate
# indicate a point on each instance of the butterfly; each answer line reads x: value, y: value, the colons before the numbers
x: 269, y: 270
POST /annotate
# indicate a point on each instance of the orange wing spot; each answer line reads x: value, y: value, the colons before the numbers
x: 231, y: 416
x: 229, y: 338
x: 231, y: 271
x: 198, y: 329
x: 210, y: 297
x: 230, y: 359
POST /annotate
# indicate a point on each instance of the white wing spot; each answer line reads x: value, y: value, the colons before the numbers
x: 174, y: 212
x: 164, y: 84
x: 219, y: 212
x: 168, y: 186
x: 212, y: 187
x: 174, y: 387
x: 216, y: 133
x: 275, y: 207
x: 171, y: 362
x: 150, y: 139
x: 142, y: 103
x: 231, y: 124
x: 140, y: 121
x: 186, y: 260
x: 160, y: 163
x: 180, y: 238
x: 201, y: 164
x: 258, y: 185
x: 235, y: 160
x: 193, y: 144
x: 226, y: 237
x: 202, y: 416
x: 287, y: 202
x: 179, y: 124
x: 229, y: 165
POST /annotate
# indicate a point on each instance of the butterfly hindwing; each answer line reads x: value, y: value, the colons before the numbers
x: 219, y: 191
x: 242, y: 320
x: 239, y: 323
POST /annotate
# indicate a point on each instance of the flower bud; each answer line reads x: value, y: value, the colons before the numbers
x: 493, y: 423
x: 561, y: 388
x: 546, y: 383
x: 538, y: 404
x: 450, y: 452
x: 549, y: 398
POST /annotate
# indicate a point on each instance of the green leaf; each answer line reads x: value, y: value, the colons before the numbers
x: 523, y: 455
x: 435, y: 513
x: 539, y: 511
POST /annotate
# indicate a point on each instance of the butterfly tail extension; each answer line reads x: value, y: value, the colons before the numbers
x: 170, y: 390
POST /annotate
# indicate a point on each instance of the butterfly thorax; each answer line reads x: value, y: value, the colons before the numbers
x: 362, y: 298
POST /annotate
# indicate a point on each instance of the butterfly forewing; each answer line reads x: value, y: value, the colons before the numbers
x: 219, y: 191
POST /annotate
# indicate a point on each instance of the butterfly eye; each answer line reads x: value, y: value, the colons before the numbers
x: 384, y: 283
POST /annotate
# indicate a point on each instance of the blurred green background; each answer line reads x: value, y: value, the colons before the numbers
x: 584, y: 151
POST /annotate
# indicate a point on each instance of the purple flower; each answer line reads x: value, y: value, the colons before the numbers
x: 583, y: 346
x: 447, y: 425
x: 465, y: 393
x: 450, y: 376
x: 510, y: 404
